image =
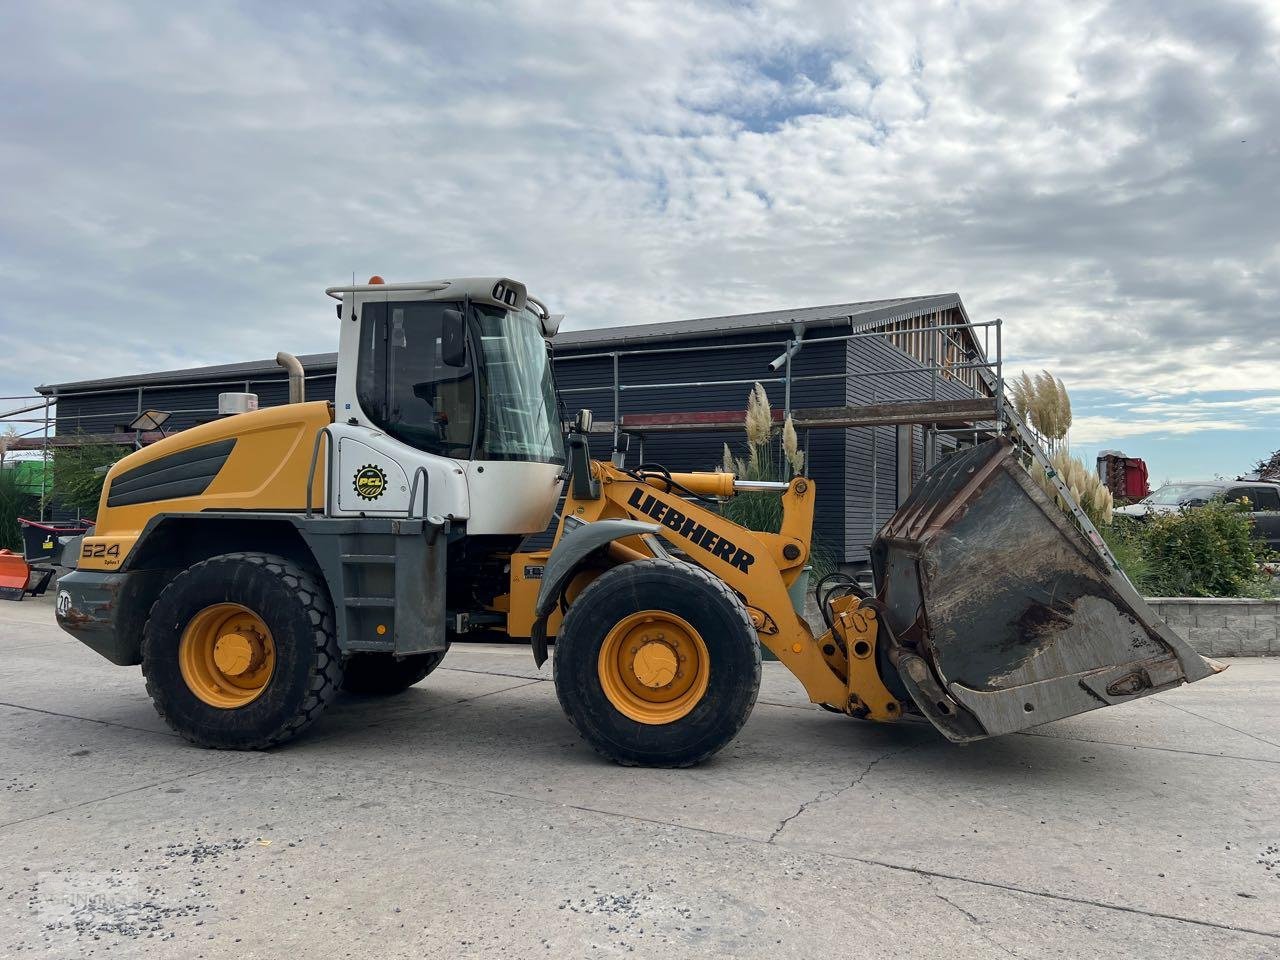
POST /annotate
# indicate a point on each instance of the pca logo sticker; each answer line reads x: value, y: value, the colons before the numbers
x: 370, y: 482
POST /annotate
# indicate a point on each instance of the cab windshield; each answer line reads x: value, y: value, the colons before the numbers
x: 498, y: 404
x: 517, y: 392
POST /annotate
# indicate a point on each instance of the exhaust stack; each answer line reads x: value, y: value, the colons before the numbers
x: 297, y: 378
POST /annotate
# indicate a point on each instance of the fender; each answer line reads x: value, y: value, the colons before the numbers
x: 572, y: 549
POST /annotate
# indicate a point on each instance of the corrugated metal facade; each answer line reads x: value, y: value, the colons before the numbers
x: 711, y: 368
x: 879, y: 371
x: 856, y: 470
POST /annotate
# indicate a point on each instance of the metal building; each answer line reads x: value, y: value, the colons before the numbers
x: 878, y: 389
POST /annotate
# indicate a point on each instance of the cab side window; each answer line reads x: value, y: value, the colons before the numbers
x: 403, y: 384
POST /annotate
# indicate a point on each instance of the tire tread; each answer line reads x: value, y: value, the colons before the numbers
x: 732, y: 601
x: 326, y: 678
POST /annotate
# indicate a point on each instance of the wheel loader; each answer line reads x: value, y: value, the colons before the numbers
x: 256, y: 565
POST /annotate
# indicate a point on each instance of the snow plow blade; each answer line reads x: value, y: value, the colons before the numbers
x: 1003, y: 614
x: 15, y: 575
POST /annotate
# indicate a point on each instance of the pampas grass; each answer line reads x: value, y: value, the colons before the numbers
x: 1084, y: 485
x: 1042, y: 400
x: 791, y: 447
x: 764, y: 460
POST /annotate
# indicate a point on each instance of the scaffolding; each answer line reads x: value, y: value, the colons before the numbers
x: 982, y: 413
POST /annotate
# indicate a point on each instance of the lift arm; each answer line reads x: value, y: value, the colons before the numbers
x: 758, y: 566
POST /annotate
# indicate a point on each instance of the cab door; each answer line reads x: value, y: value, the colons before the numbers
x: 406, y: 414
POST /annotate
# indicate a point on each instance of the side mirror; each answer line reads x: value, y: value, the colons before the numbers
x: 582, y: 424
x: 453, y: 339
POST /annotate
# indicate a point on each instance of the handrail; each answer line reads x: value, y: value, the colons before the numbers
x: 413, y: 491
x: 311, y: 473
x: 431, y: 287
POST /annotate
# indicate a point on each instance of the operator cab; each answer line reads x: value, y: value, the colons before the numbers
x: 446, y: 386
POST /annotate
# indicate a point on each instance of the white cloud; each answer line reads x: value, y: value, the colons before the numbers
x: 1096, y: 429
x: 181, y: 181
x: 1261, y: 406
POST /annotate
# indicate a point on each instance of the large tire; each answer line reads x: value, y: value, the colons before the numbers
x: 302, y: 673
x: 657, y: 591
x: 383, y: 675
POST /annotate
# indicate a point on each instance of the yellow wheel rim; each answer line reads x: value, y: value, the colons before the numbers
x: 654, y: 667
x: 226, y: 655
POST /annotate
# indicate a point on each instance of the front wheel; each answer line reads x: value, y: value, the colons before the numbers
x: 657, y: 664
x: 240, y: 651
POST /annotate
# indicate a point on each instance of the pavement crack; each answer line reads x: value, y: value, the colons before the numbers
x: 865, y: 861
x: 829, y: 794
x: 72, y: 716
x: 1146, y: 746
x: 973, y: 918
x: 498, y: 673
x: 955, y: 906
x: 1243, y: 733
x: 112, y: 796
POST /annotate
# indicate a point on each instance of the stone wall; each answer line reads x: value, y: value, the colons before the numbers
x: 1224, y: 628
x: 1213, y: 627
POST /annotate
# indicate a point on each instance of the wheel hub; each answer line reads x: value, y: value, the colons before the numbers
x: 655, y: 664
x: 237, y: 653
x: 654, y: 667
x: 226, y: 655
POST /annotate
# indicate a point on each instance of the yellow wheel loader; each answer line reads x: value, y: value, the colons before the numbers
x: 256, y: 565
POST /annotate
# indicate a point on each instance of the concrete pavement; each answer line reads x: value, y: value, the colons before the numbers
x: 465, y: 819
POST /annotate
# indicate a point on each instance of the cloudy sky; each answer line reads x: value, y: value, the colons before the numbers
x: 180, y: 181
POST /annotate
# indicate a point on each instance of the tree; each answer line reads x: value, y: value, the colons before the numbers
x: 14, y: 503
x: 7, y: 441
x: 78, y: 474
x: 1269, y: 469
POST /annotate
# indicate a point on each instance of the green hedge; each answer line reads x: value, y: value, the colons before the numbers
x: 1207, y: 551
x: 15, y: 502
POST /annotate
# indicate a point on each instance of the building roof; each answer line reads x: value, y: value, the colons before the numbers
x: 247, y: 370
x: 861, y: 315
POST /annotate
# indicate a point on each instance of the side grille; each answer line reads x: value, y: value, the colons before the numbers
x: 187, y: 473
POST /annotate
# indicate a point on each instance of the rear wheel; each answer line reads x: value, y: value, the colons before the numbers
x: 240, y: 651
x: 382, y: 675
x: 657, y: 664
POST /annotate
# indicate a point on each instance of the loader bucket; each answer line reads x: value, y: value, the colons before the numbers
x: 1003, y: 615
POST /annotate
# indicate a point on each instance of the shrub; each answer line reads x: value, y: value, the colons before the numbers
x: 1123, y: 537
x: 78, y: 475
x: 765, y: 460
x: 15, y: 502
x: 772, y: 456
x: 1042, y: 400
x: 1207, y: 551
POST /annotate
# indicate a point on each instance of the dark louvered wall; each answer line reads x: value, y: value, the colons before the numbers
x: 190, y: 404
x: 711, y: 367
x: 855, y: 470
x: 871, y: 453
